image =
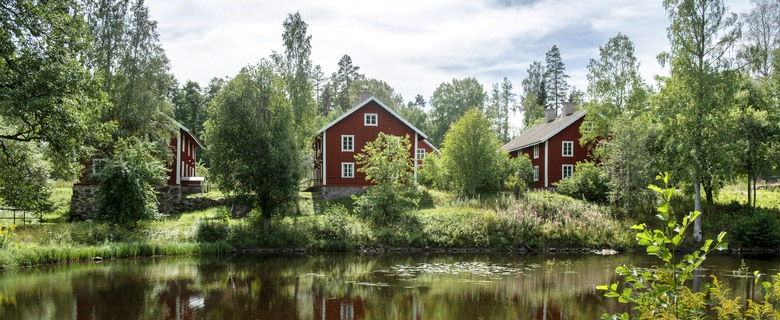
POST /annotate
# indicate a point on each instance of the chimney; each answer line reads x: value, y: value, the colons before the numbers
x: 549, y: 115
x: 363, y: 95
x: 568, y: 108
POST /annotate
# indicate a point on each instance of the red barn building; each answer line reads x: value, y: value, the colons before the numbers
x: 337, y: 143
x: 553, y: 147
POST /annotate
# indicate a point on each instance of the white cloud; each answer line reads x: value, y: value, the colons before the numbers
x: 413, y: 45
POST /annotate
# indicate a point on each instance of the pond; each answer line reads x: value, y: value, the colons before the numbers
x: 336, y: 286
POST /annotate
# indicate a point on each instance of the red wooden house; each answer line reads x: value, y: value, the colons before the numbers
x: 553, y: 146
x: 182, y: 170
x: 182, y: 176
x: 337, y: 143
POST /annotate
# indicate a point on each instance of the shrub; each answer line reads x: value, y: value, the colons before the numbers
x: 588, y: 182
x: 126, y: 183
x: 212, y: 231
x: 761, y: 229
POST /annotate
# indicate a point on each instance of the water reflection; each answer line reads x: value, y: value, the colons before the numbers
x: 390, y: 286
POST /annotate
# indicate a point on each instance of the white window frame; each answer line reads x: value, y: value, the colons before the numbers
x: 367, y: 116
x: 536, y: 173
x: 97, y: 162
x: 536, y: 151
x: 420, y: 154
x: 347, y: 173
x: 571, y: 149
x: 563, y: 170
x: 352, y: 143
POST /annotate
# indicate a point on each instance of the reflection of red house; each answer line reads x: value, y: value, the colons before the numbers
x: 337, y: 143
x: 553, y: 146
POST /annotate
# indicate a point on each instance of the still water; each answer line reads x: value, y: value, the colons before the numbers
x: 331, y: 286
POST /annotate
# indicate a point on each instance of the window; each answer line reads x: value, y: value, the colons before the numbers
x: 568, y: 149
x: 97, y: 164
x: 536, y: 173
x: 347, y: 169
x: 369, y: 119
x: 536, y: 151
x: 420, y: 154
x: 347, y: 143
x: 567, y: 170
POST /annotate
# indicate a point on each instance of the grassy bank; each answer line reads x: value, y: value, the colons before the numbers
x: 541, y: 220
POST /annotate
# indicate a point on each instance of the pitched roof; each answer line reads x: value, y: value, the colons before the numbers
x: 182, y: 127
x: 542, y: 132
x: 363, y: 103
x: 432, y: 146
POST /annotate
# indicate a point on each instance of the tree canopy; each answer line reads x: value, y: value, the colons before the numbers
x: 251, y: 141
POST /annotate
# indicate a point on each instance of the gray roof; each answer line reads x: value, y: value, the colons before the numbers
x: 363, y: 103
x: 542, y: 132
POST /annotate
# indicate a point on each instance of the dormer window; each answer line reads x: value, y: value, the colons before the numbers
x: 370, y: 119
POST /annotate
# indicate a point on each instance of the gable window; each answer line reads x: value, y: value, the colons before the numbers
x: 369, y: 119
x: 568, y: 149
x: 347, y: 169
x: 347, y: 143
x: 567, y: 170
x: 420, y: 154
x: 536, y: 173
x: 536, y: 151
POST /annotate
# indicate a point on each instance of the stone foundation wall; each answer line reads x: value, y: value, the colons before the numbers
x: 170, y: 198
x: 330, y: 192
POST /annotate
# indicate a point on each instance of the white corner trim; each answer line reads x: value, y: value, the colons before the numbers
x: 324, y: 160
x: 414, y: 156
x: 178, y: 157
x: 546, y: 164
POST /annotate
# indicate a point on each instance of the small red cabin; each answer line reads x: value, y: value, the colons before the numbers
x: 337, y: 143
x: 553, y: 146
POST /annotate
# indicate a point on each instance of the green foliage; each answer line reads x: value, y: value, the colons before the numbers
x: 661, y: 292
x: 212, y: 231
x: 760, y: 229
x: 126, y: 53
x: 251, y: 140
x: 472, y: 156
x: 555, y: 79
x: 6, y: 232
x: 49, y: 101
x: 534, y: 95
x: 519, y: 172
x: 387, y: 163
x: 433, y: 173
x: 127, y: 183
x: 452, y: 100
x: 589, y: 182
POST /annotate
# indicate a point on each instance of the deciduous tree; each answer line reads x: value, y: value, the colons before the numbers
x: 451, y: 101
x: 701, y: 34
x: 472, y: 156
x: 388, y: 165
x: 48, y: 98
x: 251, y: 139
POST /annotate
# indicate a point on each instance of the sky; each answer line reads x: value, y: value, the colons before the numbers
x: 413, y: 45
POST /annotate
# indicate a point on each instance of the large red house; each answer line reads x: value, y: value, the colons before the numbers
x: 553, y: 147
x: 337, y: 143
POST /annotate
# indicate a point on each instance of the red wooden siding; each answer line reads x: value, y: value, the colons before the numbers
x: 185, y: 159
x: 353, y: 125
x: 555, y: 153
